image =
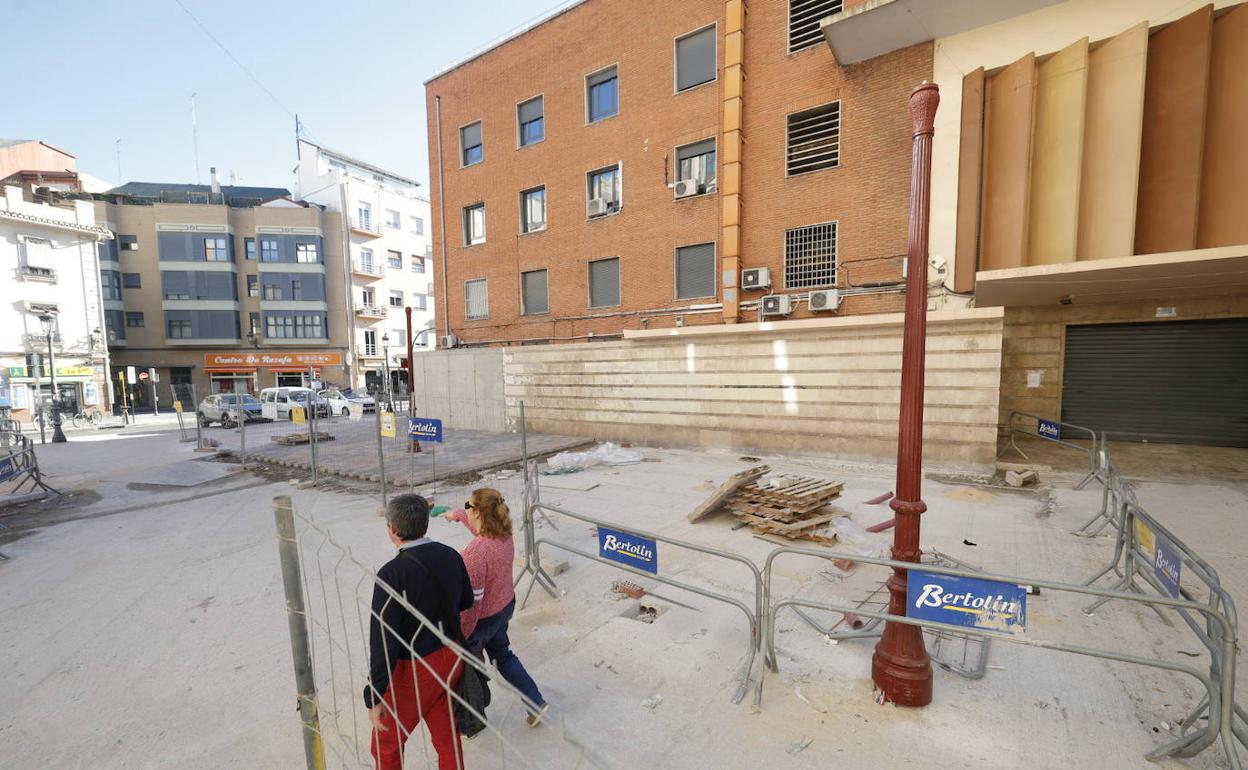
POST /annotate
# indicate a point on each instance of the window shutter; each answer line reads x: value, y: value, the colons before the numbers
x: 695, y: 271
x: 531, y: 110
x: 470, y: 136
x: 604, y: 283
x: 601, y: 77
x: 695, y: 59
x: 814, y: 139
x: 535, y: 296
x: 804, y: 18
x: 477, y: 299
x: 694, y: 150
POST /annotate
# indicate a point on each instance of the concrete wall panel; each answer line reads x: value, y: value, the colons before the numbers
x: 1057, y: 155
x: 1009, y: 106
x: 1223, y: 187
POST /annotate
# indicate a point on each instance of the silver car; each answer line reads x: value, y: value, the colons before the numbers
x: 340, y: 401
x: 226, y: 407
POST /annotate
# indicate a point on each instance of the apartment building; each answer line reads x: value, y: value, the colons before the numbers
x: 387, y: 244
x: 51, y: 285
x: 1088, y: 177
x: 228, y: 288
x: 631, y: 165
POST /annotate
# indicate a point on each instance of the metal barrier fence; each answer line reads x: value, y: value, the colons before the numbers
x: 20, y: 465
x: 1022, y: 423
x: 328, y: 596
x: 1218, y: 681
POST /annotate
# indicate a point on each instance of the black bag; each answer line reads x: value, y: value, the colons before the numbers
x: 473, y: 687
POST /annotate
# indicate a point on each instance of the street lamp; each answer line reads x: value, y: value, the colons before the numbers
x: 900, y: 668
x: 49, y: 326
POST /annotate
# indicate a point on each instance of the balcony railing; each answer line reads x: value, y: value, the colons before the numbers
x: 371, y: 269
x: 32, y: 273
x: 364, y: 351
x: 365, y: 225
x: 371, y: 311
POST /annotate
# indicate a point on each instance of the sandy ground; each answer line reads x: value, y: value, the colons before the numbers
x: 146, y: 628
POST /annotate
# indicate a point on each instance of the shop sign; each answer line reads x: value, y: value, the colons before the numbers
x: 270, y: 359
x: 965, y: 601
x: 75, y: 371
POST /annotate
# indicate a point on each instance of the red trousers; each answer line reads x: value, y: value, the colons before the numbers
x: 415, y: 694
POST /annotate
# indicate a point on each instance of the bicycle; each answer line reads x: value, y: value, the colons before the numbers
x: 89, y: 417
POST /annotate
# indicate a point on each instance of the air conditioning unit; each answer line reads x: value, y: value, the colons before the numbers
x: 756, y: 278
x: 132, y: 246
x: 777, y: 304
x: 597, y: 207
x: 828, y: 299
x: 450, y: 341
x: 686, y: 188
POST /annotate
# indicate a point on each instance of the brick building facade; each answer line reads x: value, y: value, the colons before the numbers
x: 798, y: 141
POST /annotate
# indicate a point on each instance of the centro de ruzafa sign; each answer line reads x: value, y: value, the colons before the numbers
x: 262, y: 358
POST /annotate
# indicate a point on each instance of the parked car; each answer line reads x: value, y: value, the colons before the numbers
x: 283, y: 399
x: 225, y: 408
x: 340, y: 401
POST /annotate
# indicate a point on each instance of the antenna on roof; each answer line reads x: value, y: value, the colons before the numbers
x: 195, y: 137
x: 118, y: 146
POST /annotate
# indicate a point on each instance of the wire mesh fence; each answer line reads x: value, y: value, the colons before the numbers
x: 334, y: 608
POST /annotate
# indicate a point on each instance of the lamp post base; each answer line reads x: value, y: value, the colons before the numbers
x: 900, y: 667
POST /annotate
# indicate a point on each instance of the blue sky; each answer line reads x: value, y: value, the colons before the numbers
x: 89, y: 72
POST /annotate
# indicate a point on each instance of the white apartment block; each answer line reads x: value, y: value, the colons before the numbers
x: 50, y: 269
x: 388, y: 240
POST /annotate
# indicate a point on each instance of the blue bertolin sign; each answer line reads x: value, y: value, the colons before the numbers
x: 424, y: 429
x: 1168, y: 568
x: 8, y: 468
x: 1049, y: 429
x: 630, y: 549
x: 966, y: 601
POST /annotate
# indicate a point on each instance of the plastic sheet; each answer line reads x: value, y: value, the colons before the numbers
x: 604, y: 454
x: 858, y: 540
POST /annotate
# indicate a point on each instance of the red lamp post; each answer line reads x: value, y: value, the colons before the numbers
x: 900, y: 667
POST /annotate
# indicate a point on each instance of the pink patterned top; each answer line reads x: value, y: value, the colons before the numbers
x: 489, y: 561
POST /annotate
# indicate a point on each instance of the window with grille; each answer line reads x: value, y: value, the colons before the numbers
x: 476, y: 299
x: 804, y: 18
x: 810, y: 256
x: 695, y: 271
x: 814, y: 139
x: 604, y: 282
x: 533, y: 292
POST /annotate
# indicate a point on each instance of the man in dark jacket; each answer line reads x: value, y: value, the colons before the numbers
x: 410, y: 670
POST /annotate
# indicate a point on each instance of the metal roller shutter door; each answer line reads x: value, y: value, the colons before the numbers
x: 1183, y: 382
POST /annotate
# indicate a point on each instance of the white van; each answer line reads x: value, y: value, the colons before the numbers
x: 275, y: 403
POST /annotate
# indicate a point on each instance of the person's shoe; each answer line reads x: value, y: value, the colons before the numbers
x: 535, y: 719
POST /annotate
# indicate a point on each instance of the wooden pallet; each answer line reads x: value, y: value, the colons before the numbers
x: 805, y: 495
x: 726, y: 490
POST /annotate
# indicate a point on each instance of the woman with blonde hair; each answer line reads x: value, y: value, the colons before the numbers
x: 489, y: 558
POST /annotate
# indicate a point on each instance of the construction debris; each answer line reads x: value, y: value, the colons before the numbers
x: 794, y: 507
x: 1021, y: 478
x: 295, y: 439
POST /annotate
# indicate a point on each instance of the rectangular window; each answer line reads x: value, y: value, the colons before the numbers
x: 604, y: 282
x: 604, y: 187
x: 134, y: 320
x: 418, y: 264
x: 394, y: 220
x: 306, y: 253
x: 531, y: 117
x: 216, y: 250
x: 533, y: 210
x: 179, y: 330
x: 471, y: 151
x: 476, y: 299
x: 474, y: 224
x: 366, y: 260
x: 369, y: 296
x: 364, y: 216
x: 296, y: 288
x: 396, y: 299
x: 279, y: 327
x: 417, y: 225
x: 697, y: 162
x: 814, y: 139
x: 253, y: 323
x: 370, y: 342
x: 804, y: 18
x: 131, y: 281
x: 272, y: 291
x: 394, y: 259
x: 249, y: 248
x: 533, y: 294
x: 695, y: 271
x: 695, y: 58
x: 253, y: 289
x: 110, y: 282
x: 128, y: 242
x: 810, y: 256
x: 418, y: 302
x: 269, y: 251
x: 602, y: 94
